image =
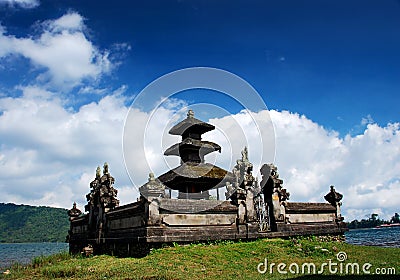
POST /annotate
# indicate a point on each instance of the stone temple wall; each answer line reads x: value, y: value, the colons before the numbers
x: 251, y: 210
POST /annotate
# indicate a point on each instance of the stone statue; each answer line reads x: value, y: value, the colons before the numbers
x: 107, y: 192
x: 102, y: 194
x: 98, y: 170
x: 243, y: 171
x: 94, y: 189
x: 96, y: 182
x: 246, y: 191
x: 105, y: 168
x: 101, y: 199
x: 245, y: 155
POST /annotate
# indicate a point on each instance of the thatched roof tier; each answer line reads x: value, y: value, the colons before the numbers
x: 191, y: 124
x: 190, y: 177
x: 205, y: 147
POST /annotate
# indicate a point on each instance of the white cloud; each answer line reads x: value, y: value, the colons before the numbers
x: 70, y: 21
x: 233, y: 133
x: 49, y: 154
x: 367, y: 120
x: 63, y: 55
x: 306, y: 153
x: 46, y: 148
x: 92, y: 90
x: 365, y: 168
x: 25, y: 4
x: 5, y: 43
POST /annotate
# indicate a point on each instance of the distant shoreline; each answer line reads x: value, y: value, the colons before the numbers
x: 388, y: 225
x: 377, y: 227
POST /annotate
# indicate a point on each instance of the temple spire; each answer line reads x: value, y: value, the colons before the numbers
x: 191, y: 149
x: 194, y: 177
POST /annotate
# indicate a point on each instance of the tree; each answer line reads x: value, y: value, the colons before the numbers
x: 374, y: 217
x: 395, y: 218
x: 370, y: 222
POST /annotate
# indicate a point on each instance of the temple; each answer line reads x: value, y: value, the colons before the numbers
x: 250, y: 210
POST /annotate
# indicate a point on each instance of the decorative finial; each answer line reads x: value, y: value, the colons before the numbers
x: 190, y: 114
x: 151, y: 177
x: 105, y: 168
x: 333, y: 197
x: 98, y: 170
x: 245, y: 154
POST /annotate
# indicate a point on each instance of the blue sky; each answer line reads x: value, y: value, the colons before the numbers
x: 334, y: 61
x: 328, y: 71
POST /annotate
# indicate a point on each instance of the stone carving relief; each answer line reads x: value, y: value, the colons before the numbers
x: 101, y: 199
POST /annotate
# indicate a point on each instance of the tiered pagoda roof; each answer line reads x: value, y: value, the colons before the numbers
x: 193, y: 175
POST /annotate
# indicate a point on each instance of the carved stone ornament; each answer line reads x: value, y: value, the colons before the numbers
x: 102, y: 193
x: 74, y: 212
x: 333, y: 197
x: 153, y: 188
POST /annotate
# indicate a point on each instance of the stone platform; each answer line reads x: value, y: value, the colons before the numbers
x: 134, y: 228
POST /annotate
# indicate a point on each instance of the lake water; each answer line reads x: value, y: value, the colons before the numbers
x: 25, y: 252
x: 386, y: 237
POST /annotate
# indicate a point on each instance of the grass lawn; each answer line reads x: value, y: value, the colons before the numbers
x: 224, y: 260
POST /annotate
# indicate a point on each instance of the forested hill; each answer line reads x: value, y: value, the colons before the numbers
x: 23, y: 223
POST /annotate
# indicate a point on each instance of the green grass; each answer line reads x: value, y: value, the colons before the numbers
x: 219, y: 260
